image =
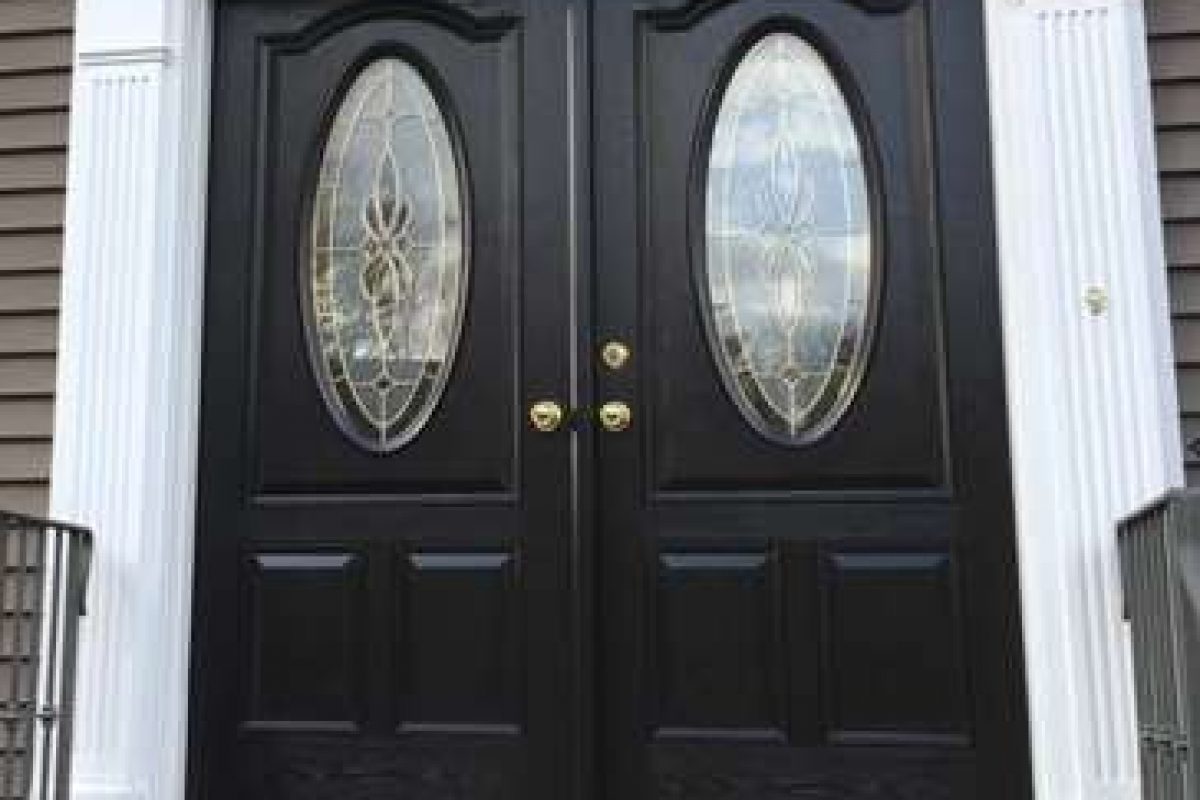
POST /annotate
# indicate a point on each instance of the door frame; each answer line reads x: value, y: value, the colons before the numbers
x: 138, y: 167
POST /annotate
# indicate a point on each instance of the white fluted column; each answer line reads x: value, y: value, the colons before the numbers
x: 125, y: 429
x: 1087, y: 342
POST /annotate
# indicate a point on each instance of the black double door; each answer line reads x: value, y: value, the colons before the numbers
x: 698, y: 600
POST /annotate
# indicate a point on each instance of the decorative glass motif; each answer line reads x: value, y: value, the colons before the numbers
x: 789, y: 262
x: 388, y: 272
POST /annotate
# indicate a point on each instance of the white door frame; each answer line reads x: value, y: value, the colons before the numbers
x: 1086, y: 332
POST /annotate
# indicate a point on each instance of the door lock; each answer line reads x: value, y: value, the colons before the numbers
x: 615, y: 355
x: 546, y: 416
x: 615, y: 416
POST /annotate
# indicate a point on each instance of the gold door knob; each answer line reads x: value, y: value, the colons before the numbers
x: 546, y: 416
x: 615, y: 416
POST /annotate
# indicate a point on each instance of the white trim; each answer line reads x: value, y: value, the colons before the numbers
x: 125, y: 446
x: 1092, y: 405
x: 1091, y: 397
x: 131, y: 55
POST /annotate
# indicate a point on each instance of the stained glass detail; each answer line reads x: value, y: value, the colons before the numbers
x: 789, y: 265
x: 387, y: 270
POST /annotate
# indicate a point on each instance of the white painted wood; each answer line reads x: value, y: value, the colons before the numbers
x: 114, y: 26
x: 1092, y: 402
x: 126, y: 418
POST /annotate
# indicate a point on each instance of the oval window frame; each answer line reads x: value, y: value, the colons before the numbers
x: 450, y: 118
x: 872, y: 166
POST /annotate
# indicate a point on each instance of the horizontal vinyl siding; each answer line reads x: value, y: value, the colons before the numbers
x: 35, y: 84
x: 35, y: 89
x: 35, y: 16
x: 1175, y: 66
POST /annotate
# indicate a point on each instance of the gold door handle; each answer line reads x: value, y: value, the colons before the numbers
x: 615, y: 416
x: 546, y: 416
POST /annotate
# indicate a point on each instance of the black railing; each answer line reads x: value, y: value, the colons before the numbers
x: 1160, y: 557
x: 43, y: 579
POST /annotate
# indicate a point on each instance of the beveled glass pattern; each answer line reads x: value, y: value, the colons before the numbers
x: 788, y: 256
x: 388, y: 272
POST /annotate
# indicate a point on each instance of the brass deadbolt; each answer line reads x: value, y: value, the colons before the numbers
x: 615, y: 355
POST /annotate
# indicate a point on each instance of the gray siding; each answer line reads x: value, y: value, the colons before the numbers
x: 35, y: 87
x: 1175, y: 66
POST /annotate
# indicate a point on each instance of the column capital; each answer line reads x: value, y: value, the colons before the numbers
x: 1042, y: 6
x: 120, y: 25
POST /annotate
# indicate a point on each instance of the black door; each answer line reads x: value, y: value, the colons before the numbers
x: 384, y: 605
x: 603, y: 399
x: 808, y: 571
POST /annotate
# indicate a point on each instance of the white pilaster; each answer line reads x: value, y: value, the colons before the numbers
x: 1087, y: 342
x: 126, y: 420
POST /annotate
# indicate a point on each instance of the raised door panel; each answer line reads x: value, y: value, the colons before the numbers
x: 842, y: 164
x: 459, y: 634
x: 305, y: 641
x: 463, y: 435
x: 719, y: 645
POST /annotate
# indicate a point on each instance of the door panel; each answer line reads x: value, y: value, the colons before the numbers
x: 894, y: 647
x: 384, y: 619
x: 458, y: 627
x: 719, y: 675
x: 304, y: 608
x: 819, y: 617
x: 478, y: 412
x: 701, y: 440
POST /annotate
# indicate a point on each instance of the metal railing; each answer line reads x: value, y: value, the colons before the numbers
x: 1160, y: 558
x: 43, y: 579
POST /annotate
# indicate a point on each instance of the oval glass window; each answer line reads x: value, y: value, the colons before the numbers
x: 789, y: 262
x: 387, y: 271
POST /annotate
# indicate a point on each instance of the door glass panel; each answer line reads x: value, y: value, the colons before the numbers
x: 388, y: 267
x: 789, y: 267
